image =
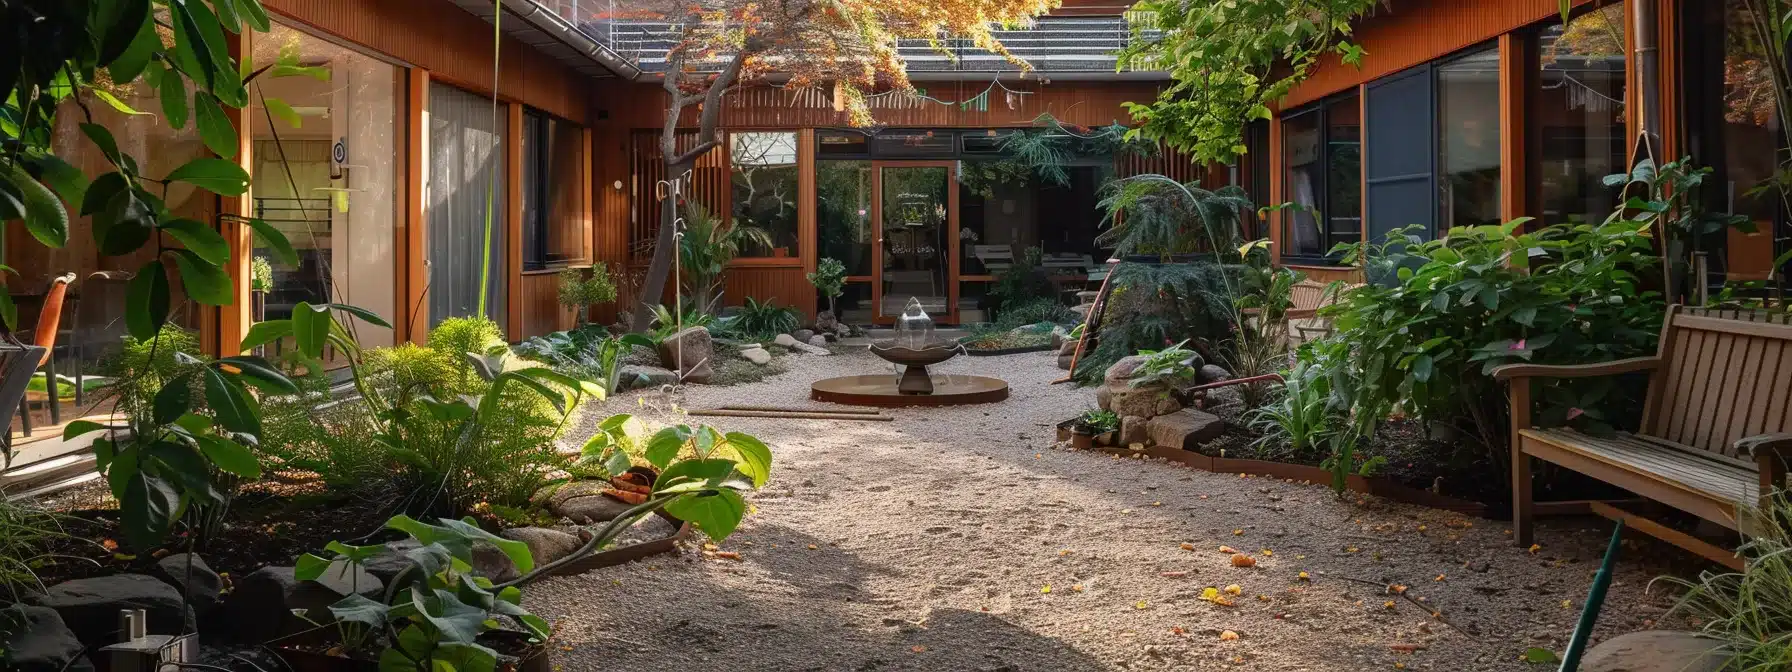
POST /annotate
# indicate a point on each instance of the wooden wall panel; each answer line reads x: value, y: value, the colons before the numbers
x: 540, y: 312
x: 454, y: 45
x: 1410, y: 32
x: 787, y: 286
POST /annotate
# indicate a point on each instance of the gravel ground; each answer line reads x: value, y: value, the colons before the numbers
x: 964, y: 539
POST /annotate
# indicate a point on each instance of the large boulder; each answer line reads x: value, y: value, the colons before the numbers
x: 546, y: 545
x: 1656, y: 651
x: 36, y: 640
x: 756, y: 355
x: 1123, y: 370
x: 1185, y: 429
x: 89, y: 607
x: 591, y: 509
x: 786, y: 341
x: 826, y: 323
x: 203, y: 587
x: 262, y: 605
x: 1212, y: 373
x: 803, y: 335
x: 1133, y: 430
x: 1124, y: 399
x: 689, y: 353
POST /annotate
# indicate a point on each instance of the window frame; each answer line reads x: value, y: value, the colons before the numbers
x: 537, y: 227
x: 1323, y: 194
x: 727, y: 149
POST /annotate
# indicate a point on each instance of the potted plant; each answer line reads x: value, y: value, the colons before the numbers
x: 1093, y: 426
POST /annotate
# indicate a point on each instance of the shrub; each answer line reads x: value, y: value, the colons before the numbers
x: 457, y: 336
x: 1163, y: 217
x: 829, y: 279
x: 665, y: 323
x: 1457, y: 307
x: 1305, y: 415
x: 1153, y: 305
x: 1022, y: 282
x: 140, y: 368
x: 1035, y: 311
x: 1097, y: 421
x: 757, y: 320
x: 1750, y: 611
x: 579, y: 293
x: 26, y: 533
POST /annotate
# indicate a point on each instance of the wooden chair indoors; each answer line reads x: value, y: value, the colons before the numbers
x: 95, y: 323
x: 43, y: 334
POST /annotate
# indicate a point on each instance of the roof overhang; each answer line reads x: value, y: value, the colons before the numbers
x: 547, y: 32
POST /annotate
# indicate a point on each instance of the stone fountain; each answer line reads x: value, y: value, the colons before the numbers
x: 914, y: 348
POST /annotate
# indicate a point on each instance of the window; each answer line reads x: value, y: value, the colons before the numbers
x: 763, y: 168
x: 1733, y: 127
x: 329, y: 175
x: 1581, y: 105
x: 1254, y: 171
x: 843, y: 213
x: 913, y: 143
x: 1468, y: 144
x: 842, y: 144
x: 1322, y: 152
x: 553, y: 192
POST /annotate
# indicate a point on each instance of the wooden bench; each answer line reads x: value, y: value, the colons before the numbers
x: 1716, y: 429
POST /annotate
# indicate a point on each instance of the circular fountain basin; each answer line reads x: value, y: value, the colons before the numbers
x: 881, y: 390
x: 932, y: 353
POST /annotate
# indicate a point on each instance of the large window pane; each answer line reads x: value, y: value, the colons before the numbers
x: 552, y: 192
x: 843, y: 213
x: 1304, y: 184
x: 1468, y: 120
x: 328, y: 175
x: 1734, y: 127
x: 765, y: 187
x: 1581, y: 108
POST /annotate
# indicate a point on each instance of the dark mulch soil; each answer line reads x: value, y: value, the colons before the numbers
x: 270, y: 523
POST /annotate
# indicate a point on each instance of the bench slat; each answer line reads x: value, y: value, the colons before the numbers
x: 1670, y: 467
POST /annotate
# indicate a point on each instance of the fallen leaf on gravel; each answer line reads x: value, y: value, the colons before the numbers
x: 1063, y: 552
x: 1303, y: 576
x: 1268, y: 553
x: 1203, y: 496
x: 1399, y: 666
x: 1177, y: 630
x: 1228, y: 550
x: 917, y: 648
x: 709, y: 546
x: 1397, y: 588
x: 813, y: 547
x: 1388, y: 604
x: 1351, y: 549
x: 1076, y: 588
x: 1157, y: 503
x: 1046, y: 589
x: 1126, y: 510
x: 1421, y: 528
x: 1038, y: 456
x: 1535, y: 547
x: 1141, y: 605
x: 1439, y: 579
x: 1242, y: 560
x: 1228, y: 636
x: 1188, y: 546
x: 729, y: 555
x: 1567, y: 604
x: 1238, y: 533
x: 1235, y: 589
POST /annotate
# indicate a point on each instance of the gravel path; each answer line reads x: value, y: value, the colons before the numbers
x: 962, y: 539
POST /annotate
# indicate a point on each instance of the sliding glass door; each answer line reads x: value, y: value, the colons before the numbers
x: 916, y: 232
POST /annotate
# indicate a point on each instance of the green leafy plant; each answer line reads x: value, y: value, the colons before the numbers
x: 1096, y: 421
x: 1023, y: 282
x: 1171, y: 366
x: 26, y: 534
x: 1304, y: 416
x: 587, y: 353
x: 705, y: 249
x: 829, y: 278
x: 1229, y: 64
x: 1150, y: 306
x: 457, y: 336
x: 579, y: 292
x: 756, y: 320
x: 261, y: 274
x: 1156, y: 215
x: 1747, y: 611
x: 665, y: 323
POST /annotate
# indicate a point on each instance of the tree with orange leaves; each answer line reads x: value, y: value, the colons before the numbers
x: 723, y: 45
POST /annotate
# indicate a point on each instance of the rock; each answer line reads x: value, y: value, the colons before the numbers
x: 1122, y: 370
x: 89, y: 607
x: 203, y: 587
x: 786, y: 341
x: 1141, y: 401
x: 38, y: 641
x: 592, y: 509
x: 689, y: 352
x: 825, y: 322
x: 575, y: 489
x: 635, y: 376
x: 757, y: 356
x: 1185, y: 429
x: 1132, y: 430
x: 1655, y: 651
x: 1104, y: 398
x: 819, y: 341
x: 490, y: 562
x: 1167, y: 405
x: 261, y: 607
x: 1060, y: 336
x: 808, y: 349
x: 829, y: 337
x: 1064, y: 360
x: 545, y: 544
x: 1211, y: 373
x: 803, y: 335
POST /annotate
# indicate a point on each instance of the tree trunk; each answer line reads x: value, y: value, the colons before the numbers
x: 665, y: 248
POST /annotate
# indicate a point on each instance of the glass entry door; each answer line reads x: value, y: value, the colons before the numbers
x: 917, y: 239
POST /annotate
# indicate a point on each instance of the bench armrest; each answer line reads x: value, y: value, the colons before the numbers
x: 1765, y: 444
x: 1301, y: 313
x: 1612, y: 368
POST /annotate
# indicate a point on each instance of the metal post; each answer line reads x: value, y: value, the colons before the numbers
x: 1589, y: 615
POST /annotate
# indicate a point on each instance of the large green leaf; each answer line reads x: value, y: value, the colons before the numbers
x: 363, y: 313
x: 231, y: 456
x: 124, y: 225
x: 116, y: 24
x: 716, y: 512
x: 254, y: 14
x: 80, y: 427
x: 214, y: 126
x: 311, y: 328
x: 148, y: 509
x: 199, y: 238
x: 517, y: 551
x: 67, y: 181
x: 44, y: 216
x: 280, y: 109
x: 260, y: 373
x: 689, y: 475
x: 308, y: 567
x: 358, y: 608
x: 173, y: 400
x: 204, y: 282
x: 147, y: 299
x: 221, y: 177
x: 753, y: 457
x: 665, y: 444
x: 186, y: 467
x: 101, y: 191
x: 263, y: 333
x: 103, y: 140
x: 275, y: 240
x: 231, y: 404
x: 130, y: 64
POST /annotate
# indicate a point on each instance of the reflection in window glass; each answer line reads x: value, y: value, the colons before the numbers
x: 843, y: 213
x: 1468, y: 121
x: 1581, y: 106
x: 552, y: 195
x: 765, y: 187
x: 1304, y: 182
x: 328, y: 175
x: 1344, y: 172
x: 1734, y: 128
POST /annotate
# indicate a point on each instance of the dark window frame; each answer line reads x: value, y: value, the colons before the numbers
x: 537, y: 179
x: 1322, y: 190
